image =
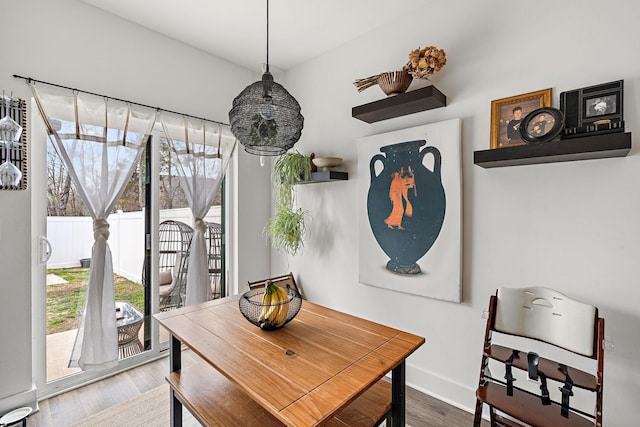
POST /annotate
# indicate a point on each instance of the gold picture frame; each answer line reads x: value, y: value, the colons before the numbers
x: 507, y: 113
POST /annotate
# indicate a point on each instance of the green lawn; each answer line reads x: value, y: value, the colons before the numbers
x: 65, y: 301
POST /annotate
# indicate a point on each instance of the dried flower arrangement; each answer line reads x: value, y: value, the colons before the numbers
x: 426, y: 61
x: 422, y: 63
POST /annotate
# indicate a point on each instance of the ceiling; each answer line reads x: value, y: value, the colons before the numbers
x: 235, y: 30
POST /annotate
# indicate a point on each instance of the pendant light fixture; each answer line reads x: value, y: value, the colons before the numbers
x: 264, y: 117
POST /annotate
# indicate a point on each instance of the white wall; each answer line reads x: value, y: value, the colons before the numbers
x: 71, y: 43
x: 569, y: 226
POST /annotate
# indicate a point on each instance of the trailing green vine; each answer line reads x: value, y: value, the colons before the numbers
x: 286, y: 228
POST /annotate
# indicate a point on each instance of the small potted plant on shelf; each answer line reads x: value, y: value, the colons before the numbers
x: 286, y: 228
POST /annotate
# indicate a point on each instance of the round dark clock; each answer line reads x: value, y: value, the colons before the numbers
x: 542, y: 125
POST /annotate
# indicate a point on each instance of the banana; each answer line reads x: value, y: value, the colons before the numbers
x: 266, y: 301
x: 275, y: 301
x: 275, y: 307
x: 270, y: 299
x: 281, y: 317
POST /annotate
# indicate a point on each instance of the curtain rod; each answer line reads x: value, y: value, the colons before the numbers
x: 29, y: 80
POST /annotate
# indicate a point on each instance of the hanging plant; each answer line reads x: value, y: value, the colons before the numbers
x: 286, y: 228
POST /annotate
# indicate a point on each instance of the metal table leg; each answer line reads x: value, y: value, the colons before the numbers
x: 398, y: 393
x: 175, y: 357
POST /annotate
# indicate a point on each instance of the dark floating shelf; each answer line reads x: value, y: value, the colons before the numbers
x: 426, y: 98
x: 565, y: 150
x: 325, y: 176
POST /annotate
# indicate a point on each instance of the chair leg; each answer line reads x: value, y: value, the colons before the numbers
x: 492, y: 416
x: 477, y: 418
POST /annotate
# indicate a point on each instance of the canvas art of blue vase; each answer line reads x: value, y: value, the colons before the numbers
x: 406, y: 203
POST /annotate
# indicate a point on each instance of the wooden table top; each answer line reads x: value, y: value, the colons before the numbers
x: 302, y: 373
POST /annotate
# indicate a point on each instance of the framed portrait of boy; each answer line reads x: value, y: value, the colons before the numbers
x: 507, y: 114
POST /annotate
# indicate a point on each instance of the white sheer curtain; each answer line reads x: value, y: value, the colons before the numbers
x: 100, y: 141
x: 201, y: 151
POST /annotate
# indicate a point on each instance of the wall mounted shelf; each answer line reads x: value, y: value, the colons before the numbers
x: 426, y: 98
x: 325, y: 176
x: 584, y: 148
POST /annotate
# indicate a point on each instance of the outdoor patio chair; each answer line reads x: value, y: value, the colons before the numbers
x: 168, y: 280
x: 174, y: 244
x: 213, y: 238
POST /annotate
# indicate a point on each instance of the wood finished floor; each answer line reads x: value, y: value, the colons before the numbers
x: 70, y: 407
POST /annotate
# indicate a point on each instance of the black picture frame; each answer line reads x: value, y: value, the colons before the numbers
x: 593, y: 109
x: 542, y: 125
x: 600, y: 106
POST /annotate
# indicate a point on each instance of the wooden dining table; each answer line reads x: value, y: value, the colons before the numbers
x: 301, y: 374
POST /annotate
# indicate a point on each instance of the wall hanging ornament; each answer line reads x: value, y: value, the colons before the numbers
x: 12, y: 143
x: 410, y: 210
x: 265, y: 117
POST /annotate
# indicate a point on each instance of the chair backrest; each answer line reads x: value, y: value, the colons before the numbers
x: 174, y: 246
x: 547, y: 315
x: 282, y: 281
x: 213, y: 238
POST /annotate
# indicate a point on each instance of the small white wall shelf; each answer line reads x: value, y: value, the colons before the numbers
x: 325, y: 176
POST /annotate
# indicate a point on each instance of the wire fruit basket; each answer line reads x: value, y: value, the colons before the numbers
x: 270, y: 315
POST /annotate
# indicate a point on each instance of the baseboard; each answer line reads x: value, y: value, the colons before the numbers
x: 26, y: 398
x: 441, y: 388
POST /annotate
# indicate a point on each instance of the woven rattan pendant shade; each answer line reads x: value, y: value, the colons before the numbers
x: 262, y: 127
x: 265, y: 118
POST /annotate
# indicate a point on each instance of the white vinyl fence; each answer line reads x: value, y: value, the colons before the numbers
x: 71, y: 239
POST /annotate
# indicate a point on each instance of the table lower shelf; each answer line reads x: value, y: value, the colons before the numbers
x: 214, y: 400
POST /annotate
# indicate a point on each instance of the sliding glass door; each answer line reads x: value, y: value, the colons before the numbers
x: 150, y: 232
x: 59, y: 293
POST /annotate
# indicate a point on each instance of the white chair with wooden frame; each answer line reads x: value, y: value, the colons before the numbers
x: 574, y: 332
